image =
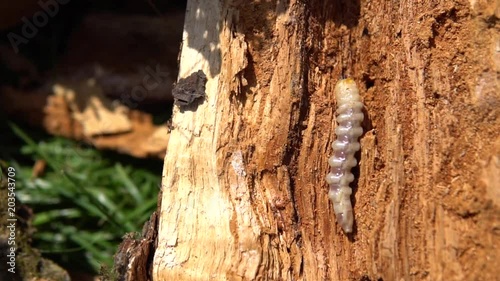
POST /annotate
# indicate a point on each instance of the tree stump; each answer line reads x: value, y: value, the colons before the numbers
x: 243, y: 192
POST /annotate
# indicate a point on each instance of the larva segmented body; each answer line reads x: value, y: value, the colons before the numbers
x: 349, y: 118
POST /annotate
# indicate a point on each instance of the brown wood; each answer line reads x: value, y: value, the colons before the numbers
x: 244, y: 196
x: 133, y: 259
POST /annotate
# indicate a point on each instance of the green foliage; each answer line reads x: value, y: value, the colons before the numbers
x: 84, y: 203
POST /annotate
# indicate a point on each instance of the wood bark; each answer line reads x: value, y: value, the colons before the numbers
x: 244, y: 195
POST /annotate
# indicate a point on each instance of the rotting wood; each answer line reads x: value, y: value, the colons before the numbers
x: 244, y: 196
x: 133, y: 260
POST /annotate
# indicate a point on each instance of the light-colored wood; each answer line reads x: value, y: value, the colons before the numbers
x: 244, y: 196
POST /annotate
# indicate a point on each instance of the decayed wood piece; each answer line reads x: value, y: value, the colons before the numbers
x: 209, y: 228
x: 244, y: 196
x: 133, y: 260
x: 78, y: 110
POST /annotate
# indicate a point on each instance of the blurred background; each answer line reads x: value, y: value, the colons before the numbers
x: 85, y: 99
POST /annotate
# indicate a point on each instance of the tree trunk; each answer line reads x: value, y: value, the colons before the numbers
x: 244, y: 195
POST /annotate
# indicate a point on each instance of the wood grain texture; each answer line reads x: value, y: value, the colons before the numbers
x: 244, y: 196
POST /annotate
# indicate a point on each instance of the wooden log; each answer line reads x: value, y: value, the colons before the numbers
x: 244, y: 195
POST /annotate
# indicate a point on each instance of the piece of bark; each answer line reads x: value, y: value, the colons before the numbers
x: 133, y: 260
x: 244, y: 195
x: 189, y: 89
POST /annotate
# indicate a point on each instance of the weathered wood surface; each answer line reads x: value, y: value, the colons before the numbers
x: 244, y: 196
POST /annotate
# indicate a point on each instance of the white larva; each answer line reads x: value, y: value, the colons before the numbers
x: 349, y: 118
